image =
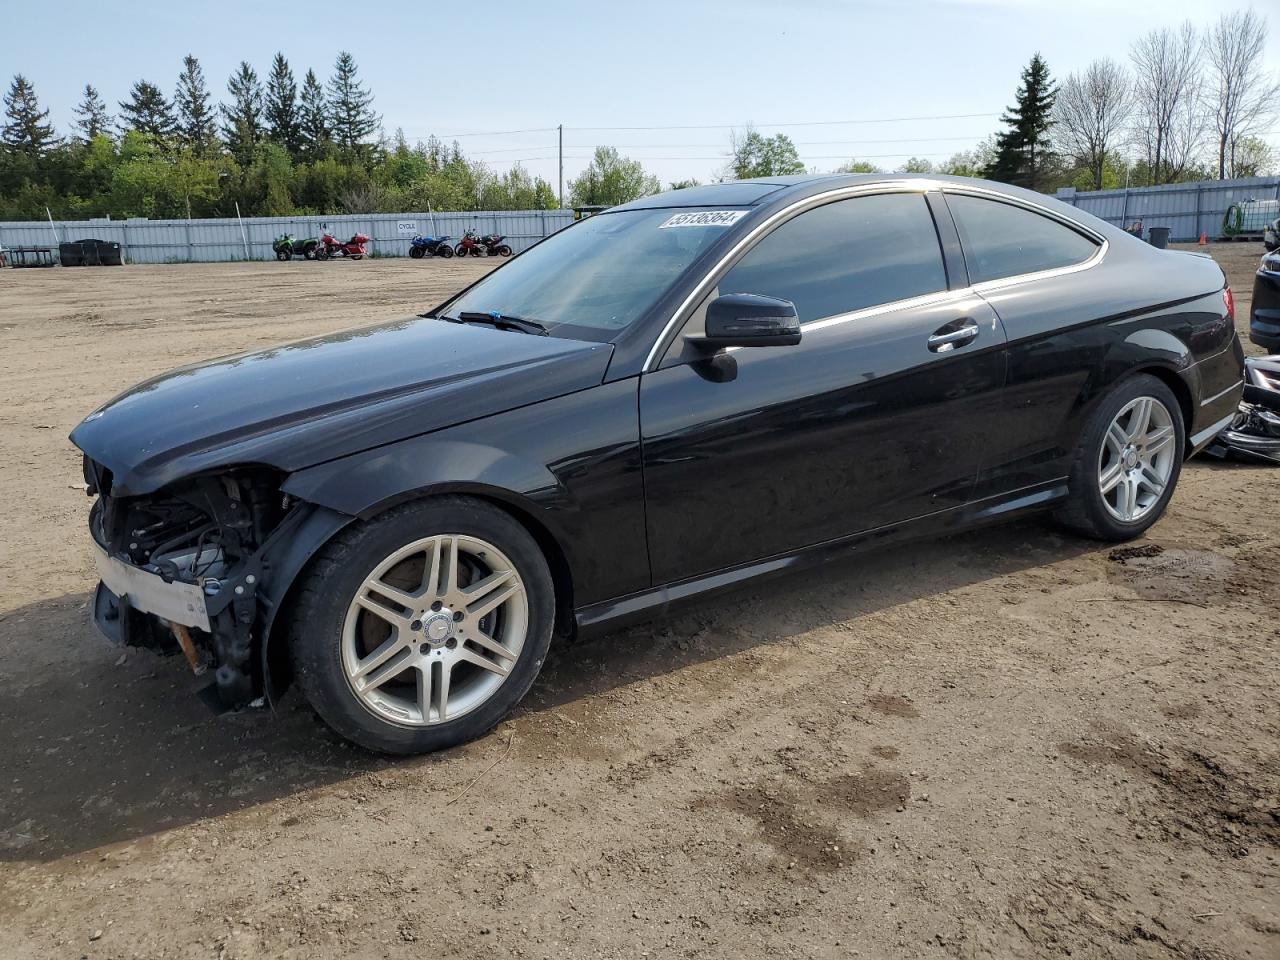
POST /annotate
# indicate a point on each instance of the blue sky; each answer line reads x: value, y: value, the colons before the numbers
x: 449, y: 68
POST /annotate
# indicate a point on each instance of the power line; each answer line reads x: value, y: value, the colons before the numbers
x: 796, y: 123
x: 711, y: 126
x: 708, y: 146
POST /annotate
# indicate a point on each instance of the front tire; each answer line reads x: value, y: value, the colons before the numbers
x: 283, y: 255
x: 1127, y: 462
x: 445, y: 251
x: 421, y: 628
x: 416, y: 253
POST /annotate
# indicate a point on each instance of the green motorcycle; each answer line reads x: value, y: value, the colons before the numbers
x: 287, y: 246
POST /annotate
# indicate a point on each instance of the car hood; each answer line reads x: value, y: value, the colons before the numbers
x: 301, y: 404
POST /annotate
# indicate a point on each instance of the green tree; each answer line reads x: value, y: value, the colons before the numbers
x: 970, y: 163
x: 917, y: 165
x: 516, y: 190
x: 92, y: 117
x: 148, y: 113
x: 1254, y: 157
x: 242, y: 120
x: 683, y: 184
x: 313, y: 132
x: 269, y: 180
x: 1023, y: 155
x: 611, y: 179
x: 857, y: 166
x: 195, y: 113
x: 284, y: 124
x: 755, y: 155
x: 26, y: 127
x: 351, y: 117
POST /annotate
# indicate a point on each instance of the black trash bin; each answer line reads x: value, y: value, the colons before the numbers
x: 1158, y: 237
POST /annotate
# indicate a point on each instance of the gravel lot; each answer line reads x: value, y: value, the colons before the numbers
x: 1006, y: 744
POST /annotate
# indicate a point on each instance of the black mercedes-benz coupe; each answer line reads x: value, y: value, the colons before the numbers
x: 668, y: 398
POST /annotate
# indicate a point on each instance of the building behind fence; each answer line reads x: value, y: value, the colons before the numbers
x: 1187, y: 209
x: 183, y: 241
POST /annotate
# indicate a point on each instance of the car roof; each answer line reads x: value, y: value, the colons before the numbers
x: 758, y: 191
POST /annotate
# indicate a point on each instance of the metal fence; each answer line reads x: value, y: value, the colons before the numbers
x: 183, y: 241
x: 1187, y: 209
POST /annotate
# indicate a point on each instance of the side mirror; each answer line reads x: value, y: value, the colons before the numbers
x: 749, y: 320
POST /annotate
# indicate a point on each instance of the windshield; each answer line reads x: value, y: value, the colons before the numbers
x: 593, y: 279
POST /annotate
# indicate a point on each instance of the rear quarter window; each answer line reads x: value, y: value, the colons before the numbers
x: 1002, y: 240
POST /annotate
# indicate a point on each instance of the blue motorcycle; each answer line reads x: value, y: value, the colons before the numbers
x: 420, y: 247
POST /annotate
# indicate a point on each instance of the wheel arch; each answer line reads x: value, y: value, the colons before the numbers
x: 298, y: 557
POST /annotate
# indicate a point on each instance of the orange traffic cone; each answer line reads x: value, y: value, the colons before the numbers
x: 1203, y: 240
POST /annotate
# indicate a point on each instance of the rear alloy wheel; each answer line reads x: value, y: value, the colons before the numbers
x: 1127, y: 462
x: 422, y: 628
x: 1136, y: 460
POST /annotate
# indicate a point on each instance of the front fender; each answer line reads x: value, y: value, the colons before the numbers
x: 369, y: 483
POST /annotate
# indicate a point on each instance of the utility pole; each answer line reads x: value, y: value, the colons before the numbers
x: 561, y: 129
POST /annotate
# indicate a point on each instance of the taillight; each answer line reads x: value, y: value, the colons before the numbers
x: 1230, y: 302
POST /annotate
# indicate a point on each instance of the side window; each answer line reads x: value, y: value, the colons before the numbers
x: 1001, y: 240
x: 845, y: 256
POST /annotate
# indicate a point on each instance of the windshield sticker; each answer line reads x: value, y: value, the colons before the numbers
x: 704, y: 218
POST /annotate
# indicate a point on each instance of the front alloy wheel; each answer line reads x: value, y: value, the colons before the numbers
x: 421, y: 628
x: 434, y: 630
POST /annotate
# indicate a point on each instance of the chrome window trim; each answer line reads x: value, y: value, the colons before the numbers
x: 681, y: 314
x: 986, y: 286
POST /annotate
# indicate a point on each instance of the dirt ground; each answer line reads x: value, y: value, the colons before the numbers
x: 1010, y: 743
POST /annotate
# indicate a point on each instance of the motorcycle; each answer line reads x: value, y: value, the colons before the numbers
x: 494, y: 247
x: 354, y: 248
x: 287, y: 246
x: 1254, y: 433
x: 475, y: 245
x: 420, y: 247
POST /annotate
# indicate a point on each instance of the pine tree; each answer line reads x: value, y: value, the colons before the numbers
x: 149, y: 113
x: 195, y: 114
x: 242, y: 126
x: 314, y: 127
x: 25, y: 128
x: 284, y: 124
x: 351, y: 116
x: 1022, y: 152
x: 92, y: 112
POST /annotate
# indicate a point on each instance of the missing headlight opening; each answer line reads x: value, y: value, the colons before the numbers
x: 206, y: 535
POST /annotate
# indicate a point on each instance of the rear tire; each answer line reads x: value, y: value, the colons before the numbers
x: 387, y: 675
x: 1126, y: 463
x: 504, y: 250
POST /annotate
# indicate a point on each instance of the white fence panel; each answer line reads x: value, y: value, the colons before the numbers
x: 1187, y: 209
x: 182, y: 241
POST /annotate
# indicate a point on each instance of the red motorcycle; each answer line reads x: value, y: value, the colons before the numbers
x: 486, y: 246
x: 353, y: 248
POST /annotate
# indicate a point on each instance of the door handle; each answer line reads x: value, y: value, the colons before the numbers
x: 948, y: 339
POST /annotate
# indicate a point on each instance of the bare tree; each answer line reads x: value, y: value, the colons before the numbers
x: 1168, y: 119
x: 1092, y: 110
x: 1240, y: 96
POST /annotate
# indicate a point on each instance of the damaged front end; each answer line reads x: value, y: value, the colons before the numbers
x: 202, y: 566
x: 1254, y: 433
